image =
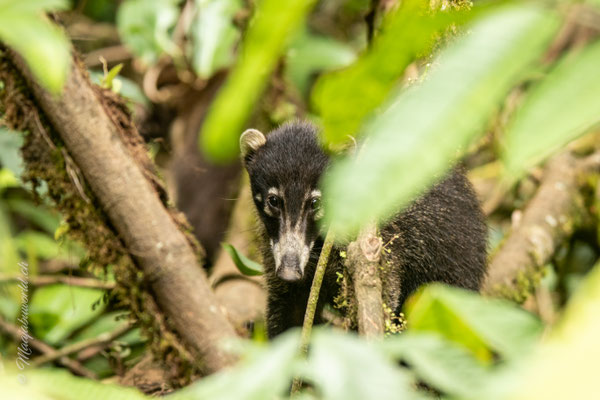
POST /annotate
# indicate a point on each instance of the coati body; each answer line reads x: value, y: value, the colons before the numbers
x: 440, y: 237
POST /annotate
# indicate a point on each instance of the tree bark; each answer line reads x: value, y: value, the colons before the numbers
x: 137, y: 213
x: 363, y: 265
x: 550, y: 217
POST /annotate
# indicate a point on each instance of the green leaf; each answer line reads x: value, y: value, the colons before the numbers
x: 439, y: 363
x: 9, y: 258
x: 245, y: 265
x: 564, y: 105
x: 482, y: 325
x: 309, y: 54
x: 58, y: 310
x: 41, y: 216
x: 345, y: 98
x: 10, y: 151
x: 264, y: 372
x: 344, y: 367
x: 423, y: 129
x: 213, y: 35
x: 264, y: 41
x: 145, y: 27
x: 47, y: 248
x: 55, y: 384
x: 43, y: 45
x: 107, y: 81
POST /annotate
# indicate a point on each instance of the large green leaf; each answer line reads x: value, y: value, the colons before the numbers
x: 438, y: 362
x: 213, y: 35
x: 421, y: 132
x: 44, y: 46
x: 263, y: 43
x: 482, y: 325
x: 345, y: 98
x: 563, y: 106
x: 56, y: 311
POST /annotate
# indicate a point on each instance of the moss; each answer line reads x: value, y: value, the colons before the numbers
x: 47, y: 161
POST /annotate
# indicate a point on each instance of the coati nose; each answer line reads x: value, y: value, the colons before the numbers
x: 289, y: 270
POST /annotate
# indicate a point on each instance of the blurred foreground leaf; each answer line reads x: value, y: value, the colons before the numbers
x: 480, y: 324
x: 264, y: 41
x: 564, y: 105
x: 44, y: 46
x: 345, y: 98
x: 419, y: 135
x: 440, y: 363
x: 344, y: 367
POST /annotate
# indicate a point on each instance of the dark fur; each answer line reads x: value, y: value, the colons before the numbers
x: 441, y: 236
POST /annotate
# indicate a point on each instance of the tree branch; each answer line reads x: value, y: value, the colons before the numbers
x: 550, y: 217
x: 363, y: 266
x: 95, y: 142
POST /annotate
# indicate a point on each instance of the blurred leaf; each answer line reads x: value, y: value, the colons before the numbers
x: 145, y: 26
x: 344, y: 367
x: 546, y: 120
x: 42, y: 217
x: 56, y: 311
x: 10, y: 150
x: 438, y: 362
x: 213, y: 35
x: 43, y: 45
x: 245, y: 265
x: 265, y: 372
x: 47, y: 248
x: 345, y: 98
x: 477, y: 323
x: 264, y: 41
x: 9, y: 257
x: 309, y: 54
x: 55, y: 384
x: 420, y: 133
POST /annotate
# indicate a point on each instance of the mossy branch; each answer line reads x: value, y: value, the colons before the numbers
x: 313, y: 299
x: 550, y: 217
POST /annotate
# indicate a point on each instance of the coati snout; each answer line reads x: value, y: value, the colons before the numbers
x: 440, y: 237
x: 284, y: 189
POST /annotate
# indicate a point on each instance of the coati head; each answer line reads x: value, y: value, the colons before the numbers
x: 284, y: 169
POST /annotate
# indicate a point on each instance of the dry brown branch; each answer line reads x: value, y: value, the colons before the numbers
x: 134, y: 208
x: 242, y: 297
x: 363, y: 265
x: 549, y: 218
x: 45, y: 280
x: 101, y: 341
x: 17, y: 334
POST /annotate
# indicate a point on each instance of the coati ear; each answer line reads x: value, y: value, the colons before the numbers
x: 250, y: 141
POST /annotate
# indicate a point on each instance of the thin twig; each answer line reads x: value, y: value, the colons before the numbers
x: 102, y: 340
x: 45, y: 280
x: 313, y: 298
x: 17, y: 334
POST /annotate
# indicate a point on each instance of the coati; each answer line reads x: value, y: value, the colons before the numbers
x: 440, y: 237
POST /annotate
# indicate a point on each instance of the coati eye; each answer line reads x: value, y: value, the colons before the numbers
x: 274, y: 201
x: 315, y: 204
